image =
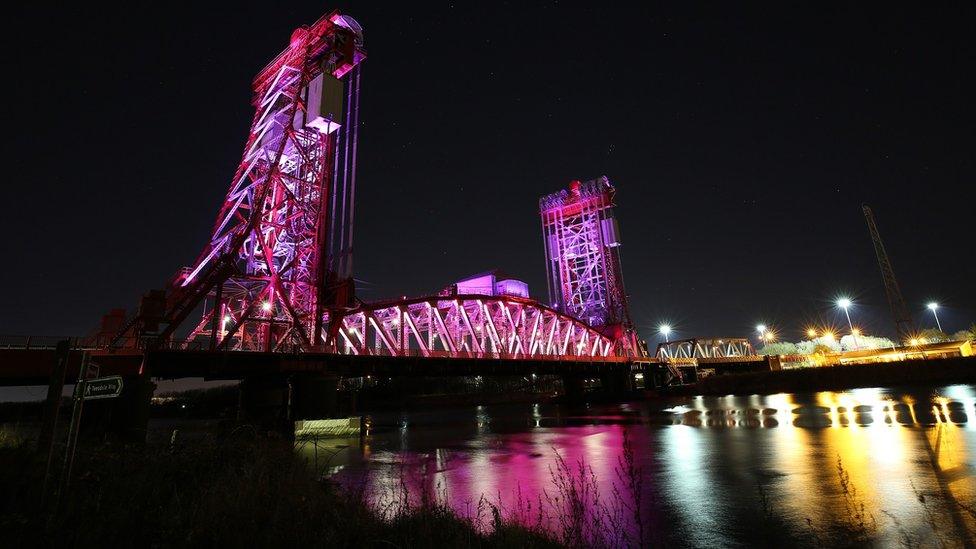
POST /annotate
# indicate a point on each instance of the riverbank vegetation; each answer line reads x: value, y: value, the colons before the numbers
x: 242, y: 491
x: 255, y: 491
x: 245, y: 487
x: 251, y: 489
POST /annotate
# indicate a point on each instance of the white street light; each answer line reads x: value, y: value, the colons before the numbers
x: 932, y: 307
x: 665, y: 331
x: 763, y: 334
x: 845, y: 303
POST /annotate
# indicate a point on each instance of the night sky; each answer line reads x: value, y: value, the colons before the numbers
x: 742, y: 141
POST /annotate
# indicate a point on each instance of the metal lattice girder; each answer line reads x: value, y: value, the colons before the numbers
x: 466, y: 326
x: 705, y: 348
x: 583, y: 262
x: 284, y: 229
x: 904, y: 325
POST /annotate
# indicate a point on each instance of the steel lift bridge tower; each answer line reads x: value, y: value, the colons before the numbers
x: 280, y: 253
x: 584, y: 275
x: 276, y: 274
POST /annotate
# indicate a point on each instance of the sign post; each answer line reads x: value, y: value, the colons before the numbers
x: 102, y: 387
x: 86, y: 389
x: 52, y: 406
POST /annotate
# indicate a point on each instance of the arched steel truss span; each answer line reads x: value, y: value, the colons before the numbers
x: 712, y: 348
x: 464, y: 326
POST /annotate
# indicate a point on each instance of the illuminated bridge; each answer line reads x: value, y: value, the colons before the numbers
x: 704, y: 348
x: 710, y: 355
x: 271, y: 294
x: 467, y: 326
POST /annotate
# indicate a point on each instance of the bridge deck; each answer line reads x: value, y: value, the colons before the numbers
x: 34, y: 366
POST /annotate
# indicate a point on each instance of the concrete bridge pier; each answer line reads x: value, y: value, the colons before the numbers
x: 124, y: 418
x: 617, y: 383
x: 314, y: 396
x: 573, y: 388
x: 263, y: 399
x: 130, y: 418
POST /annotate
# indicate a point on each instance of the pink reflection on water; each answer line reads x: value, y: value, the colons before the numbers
x: 704, y: 461
x: 536, y: 478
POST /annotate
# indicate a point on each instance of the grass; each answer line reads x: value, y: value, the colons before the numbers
x: 245, y: 489
x: 249, y: 490
x: 239, y: 491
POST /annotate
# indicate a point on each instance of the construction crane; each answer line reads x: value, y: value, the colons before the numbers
x: 896, y: 301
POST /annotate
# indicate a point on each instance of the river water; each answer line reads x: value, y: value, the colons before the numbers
x: 889, y: 466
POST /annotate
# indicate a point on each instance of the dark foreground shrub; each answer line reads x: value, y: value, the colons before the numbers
x: 238, y: 492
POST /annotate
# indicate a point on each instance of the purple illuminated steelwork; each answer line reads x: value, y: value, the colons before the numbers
x: 280, y: 253
x: 580, y: 236
x: 465, y: 326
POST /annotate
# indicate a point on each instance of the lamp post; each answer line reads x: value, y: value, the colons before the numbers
x: 933, y: 306
x: 665, y: 330
x: 845, y: 303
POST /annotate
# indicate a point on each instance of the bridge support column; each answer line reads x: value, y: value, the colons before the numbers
x: 130, y: 420
x: 573, y: 388
x: 263, y: 399
x: 617, y: 383
x: 314, y: 396
x: 124, y: 418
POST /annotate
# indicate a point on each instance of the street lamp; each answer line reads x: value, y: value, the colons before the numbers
x: 845, y: 303
x: 812, y: 333
x: 665, y: 330
x: 932, y: 307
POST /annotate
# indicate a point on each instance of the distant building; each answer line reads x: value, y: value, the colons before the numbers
x: 491, y: 283
x: 947, y: 349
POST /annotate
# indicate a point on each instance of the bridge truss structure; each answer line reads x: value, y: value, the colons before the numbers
x: 280, y: 253
x: 704, y: 348
x: 276, y: 272
x: 584, y: 274
x: 465, y: 326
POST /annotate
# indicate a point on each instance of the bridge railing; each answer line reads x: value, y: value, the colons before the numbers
x: 417, y: 353
x: 35, y: 341
x: 41, y: 342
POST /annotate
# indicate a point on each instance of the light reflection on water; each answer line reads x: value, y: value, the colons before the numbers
x: 709, y: 463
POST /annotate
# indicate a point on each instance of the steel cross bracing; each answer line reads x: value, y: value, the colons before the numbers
x: 584, y: 272
x: 283, y: 234
x: 705, y: 348
x: 467, y: 326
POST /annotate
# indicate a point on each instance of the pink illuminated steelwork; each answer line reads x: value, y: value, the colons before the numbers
x: 585, y: 280
x: 730, y: 347
x: 280, y: 252
x: 276, y: 274
x: 466, y: 326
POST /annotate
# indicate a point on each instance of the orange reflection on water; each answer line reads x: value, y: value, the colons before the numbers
x: 711, y: 463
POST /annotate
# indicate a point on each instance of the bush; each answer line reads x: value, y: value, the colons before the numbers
x: 243, y: 491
